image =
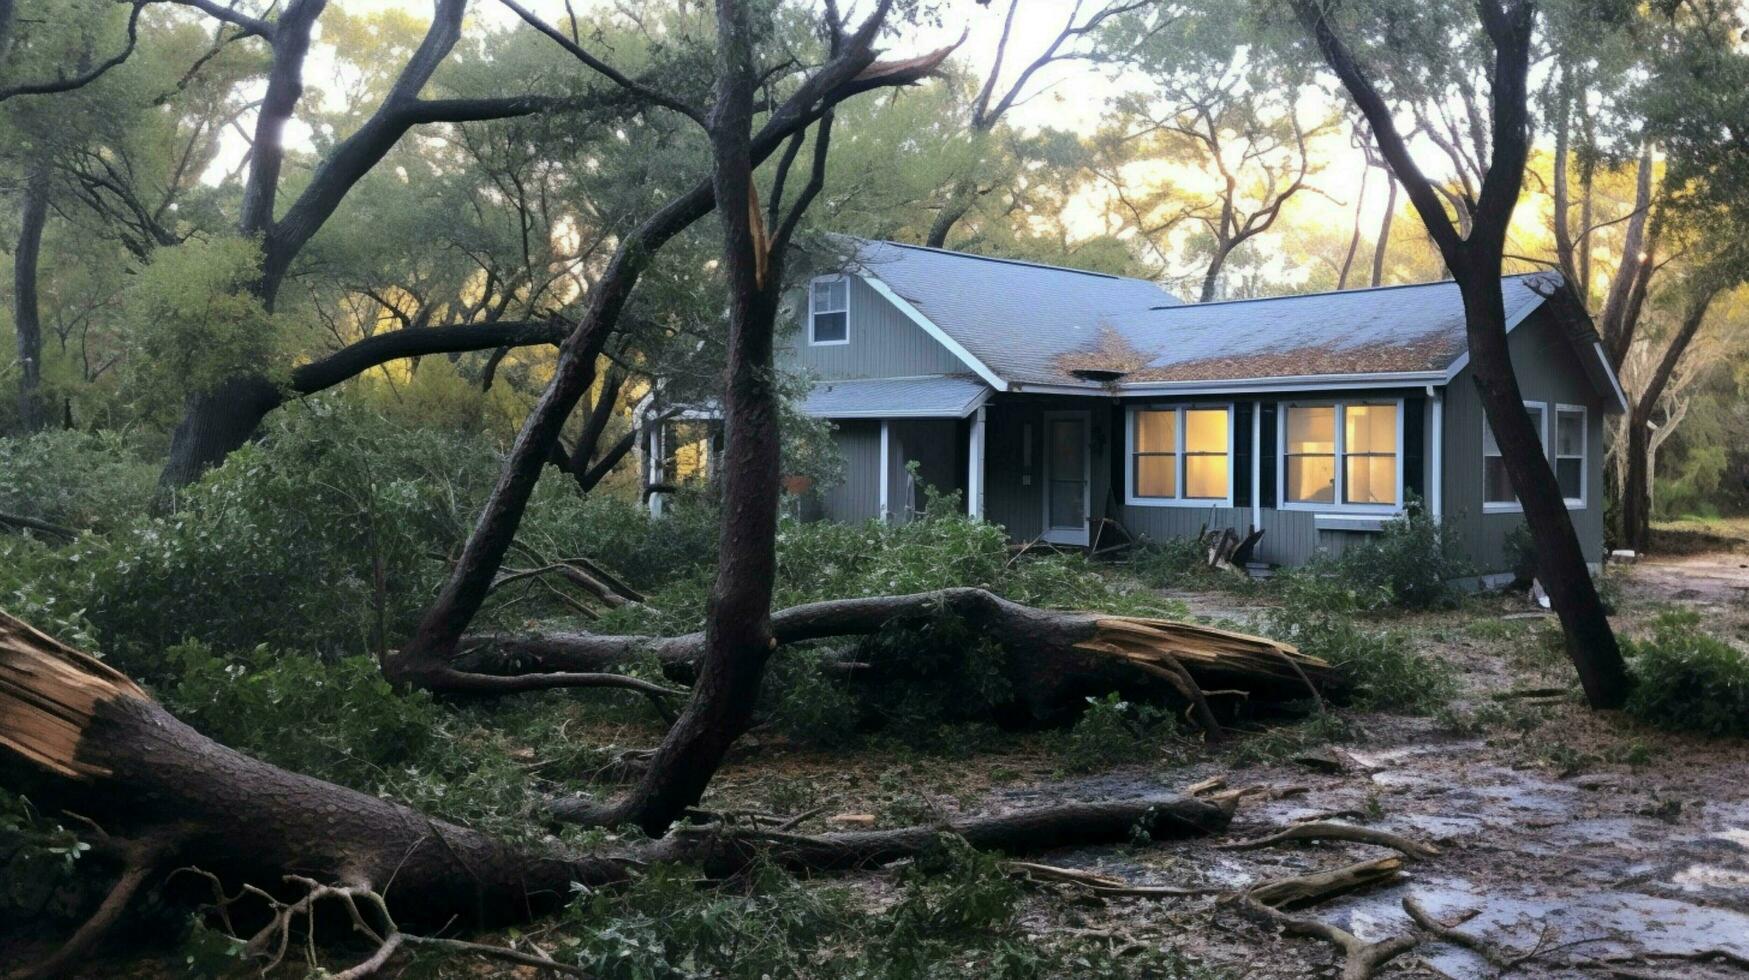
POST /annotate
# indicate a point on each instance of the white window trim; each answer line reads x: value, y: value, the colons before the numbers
x: 1178, y: 454
x: 1512, y: 506
x: 1336, y: 506
x: 829, y: 343
x: 1584, y: 457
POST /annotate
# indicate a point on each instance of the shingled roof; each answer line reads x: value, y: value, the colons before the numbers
x: 1025, y: 326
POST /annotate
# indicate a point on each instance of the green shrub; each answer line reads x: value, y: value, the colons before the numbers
x: 1689, y: 680
x: 1385, y: 672
x: 75, y: 479
x: 1410, y: 564
x: 1111, y: 732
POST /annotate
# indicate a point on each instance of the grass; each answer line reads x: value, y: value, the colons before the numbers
x: 1694, y: 535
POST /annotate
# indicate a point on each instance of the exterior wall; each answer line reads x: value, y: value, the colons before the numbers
x: 857, y: 496
x: 1548, y: 371
x: 1014, y: 458
x: 884, y: 343
x: 1290, y: 536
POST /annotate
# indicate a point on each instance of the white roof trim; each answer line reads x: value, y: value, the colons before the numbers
x: 916, y: 316
x: 1621, y: 398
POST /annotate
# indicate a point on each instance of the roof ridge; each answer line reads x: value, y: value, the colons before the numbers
x: 1004, y: 261
x: 1346, y: 292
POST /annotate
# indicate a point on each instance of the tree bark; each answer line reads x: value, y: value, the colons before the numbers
x: 1383, y: 244
x: 1636, y: 509
x: 80, y: 736
x: 33, y: 409
x: 1475, y: 257
x: 1053, y: 661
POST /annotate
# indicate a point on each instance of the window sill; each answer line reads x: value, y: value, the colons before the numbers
x: 829, y: 343
x: 1352, y: 522
x: 1203, y: 503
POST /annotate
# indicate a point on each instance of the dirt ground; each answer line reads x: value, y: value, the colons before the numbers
x: 1600, y: 846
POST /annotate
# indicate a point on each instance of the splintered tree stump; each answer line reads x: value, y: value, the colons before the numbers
x: 1054, y: 659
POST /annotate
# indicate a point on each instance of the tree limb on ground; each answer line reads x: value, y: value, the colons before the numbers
x: 1054, y: 659
x: 84, y: 738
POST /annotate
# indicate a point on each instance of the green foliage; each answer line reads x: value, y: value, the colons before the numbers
x: 197, y: 322
x: 1411, y: 564
x: 1112, y: 732
x: 1687, y: 679
x: 320, y: 538
x: 38, y: 860
x: 1386, y: 672
x: 75, y: 479
x: 1281, y: 742
x: 1182, y: 563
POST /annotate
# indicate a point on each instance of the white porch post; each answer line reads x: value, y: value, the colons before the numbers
x: 886, y: 469
x: 975, y: 466
x: 1436, y: 457
x: 1256, y: 465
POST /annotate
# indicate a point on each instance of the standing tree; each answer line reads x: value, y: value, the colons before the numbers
x: 1474, y: 255
x: 1215, y: 142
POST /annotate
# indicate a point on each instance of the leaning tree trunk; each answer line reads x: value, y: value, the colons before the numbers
x: 33, y: 411
x: 1561, y: 564
x: 83, y: 738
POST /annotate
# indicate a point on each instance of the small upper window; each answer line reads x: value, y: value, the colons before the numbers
x: 1570, y: 453
x: 829, y: 311
x: 1496, y: 484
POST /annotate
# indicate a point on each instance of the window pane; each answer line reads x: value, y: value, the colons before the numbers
x: 1570, y: 473
x: 1496, y: 485
x: 1370, y: 480
x: 1205, y: 431
x: 1157, y: 476
x: 1311, y: 479
x: 829, y: 327
x: 1569, y: 434
x: 1370, y: 429
x: 1489, y: 446
x: 1156, y: 432
x: 1206, y: 476
x: 1536, y: 421
x: 1311, y: 429
x: 831, y: 295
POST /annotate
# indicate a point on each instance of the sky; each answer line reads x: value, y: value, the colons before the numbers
x: 1067, y: 96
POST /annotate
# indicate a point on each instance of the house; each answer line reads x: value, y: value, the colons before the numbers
x: 1052, y: 397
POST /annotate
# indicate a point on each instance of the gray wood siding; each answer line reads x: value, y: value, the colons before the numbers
x: 856, y: 497
x: 884, y: 343
x: 1548, y: 371
x: 1290, y: 537
x: 931, y: 443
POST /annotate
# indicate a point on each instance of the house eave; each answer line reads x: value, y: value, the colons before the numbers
x: 1241, y: 386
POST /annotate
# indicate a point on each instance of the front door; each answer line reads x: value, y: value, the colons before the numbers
x: 1066, y: 477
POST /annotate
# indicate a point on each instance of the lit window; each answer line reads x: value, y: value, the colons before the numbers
x: 1181, y: 454
x: 829, y: 311
x: 1311, y: 454
x: 1341, y: 452
x: 1369, y: 454
x: 1570, y: 453
x: 1496, y: 484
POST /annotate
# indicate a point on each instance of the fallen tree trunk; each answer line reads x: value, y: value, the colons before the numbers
x: 80, y: 737
x: 1053, y: 659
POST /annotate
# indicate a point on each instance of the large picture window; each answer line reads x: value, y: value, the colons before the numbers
x: 1181, y: 455
x: 1496, y: 484
x: 1342, y: 454
x: 829, y: 311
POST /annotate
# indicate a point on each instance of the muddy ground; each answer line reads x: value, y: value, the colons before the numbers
x: 1594, y: 843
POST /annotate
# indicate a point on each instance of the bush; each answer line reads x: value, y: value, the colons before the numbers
x: 1385, y: 672
x: 1410, y: 564
x: 1112, y: 732
x: 75, y: 479
x: 1688, y: 679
